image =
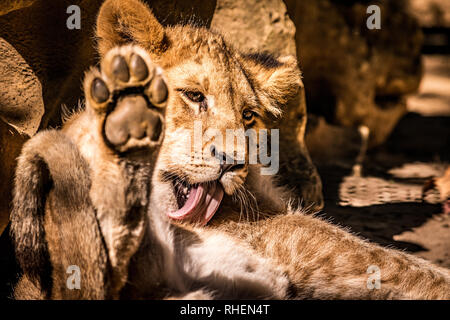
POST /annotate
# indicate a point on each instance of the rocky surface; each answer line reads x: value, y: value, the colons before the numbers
x: 433, y: 98
x: 431, y: 13
x: 21, y: 105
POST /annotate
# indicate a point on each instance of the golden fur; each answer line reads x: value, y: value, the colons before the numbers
x: 322, y: 260
x: 81, y: 199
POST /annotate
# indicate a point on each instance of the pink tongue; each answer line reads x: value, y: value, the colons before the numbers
x: 202, y: 204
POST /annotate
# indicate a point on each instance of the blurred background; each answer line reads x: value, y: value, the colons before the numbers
x: 383, y: 199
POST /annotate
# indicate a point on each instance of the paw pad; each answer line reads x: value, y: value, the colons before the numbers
x: 99, y: 91
x: 130, y: 91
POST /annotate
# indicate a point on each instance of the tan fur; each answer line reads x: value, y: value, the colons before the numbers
x: 322, y: 260
x: 53, y: 223
x: 327, y: 262
x: 81, y: 199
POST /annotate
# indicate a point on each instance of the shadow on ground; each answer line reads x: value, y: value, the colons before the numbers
x: 380, y: 223
x: 385, y: 201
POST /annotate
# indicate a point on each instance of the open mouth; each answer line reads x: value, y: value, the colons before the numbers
x: 198, y: 202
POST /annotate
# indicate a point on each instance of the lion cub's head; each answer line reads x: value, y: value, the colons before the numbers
x: 216, y: 95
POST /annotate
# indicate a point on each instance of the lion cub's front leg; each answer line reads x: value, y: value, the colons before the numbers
x: 231, y: 270
x: 127, y: 95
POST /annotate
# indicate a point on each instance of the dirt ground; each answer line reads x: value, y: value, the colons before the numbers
x: 384, y: 203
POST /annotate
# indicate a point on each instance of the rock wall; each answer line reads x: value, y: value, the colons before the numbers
x: 431, y: 13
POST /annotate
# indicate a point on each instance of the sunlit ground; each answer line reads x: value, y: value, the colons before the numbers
x: 385, y: 204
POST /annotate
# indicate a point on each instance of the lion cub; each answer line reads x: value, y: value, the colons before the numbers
x: 81, y: 201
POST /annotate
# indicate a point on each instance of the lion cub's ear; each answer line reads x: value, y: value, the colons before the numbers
x: 277, y: 79
x: 125, y: 21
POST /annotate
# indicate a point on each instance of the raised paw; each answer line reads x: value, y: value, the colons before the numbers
x: 129, y: 93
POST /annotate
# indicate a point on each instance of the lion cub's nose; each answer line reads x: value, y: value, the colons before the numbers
x: 227, y: 163
x: 132, y: 119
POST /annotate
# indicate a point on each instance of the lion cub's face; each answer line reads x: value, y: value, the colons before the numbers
x: 215, y: 95
x: 214, y: 101
x: 210, y: 96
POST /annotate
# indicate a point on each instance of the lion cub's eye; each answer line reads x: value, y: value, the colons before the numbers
x: 194, y: 96
x: 248, y: 115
